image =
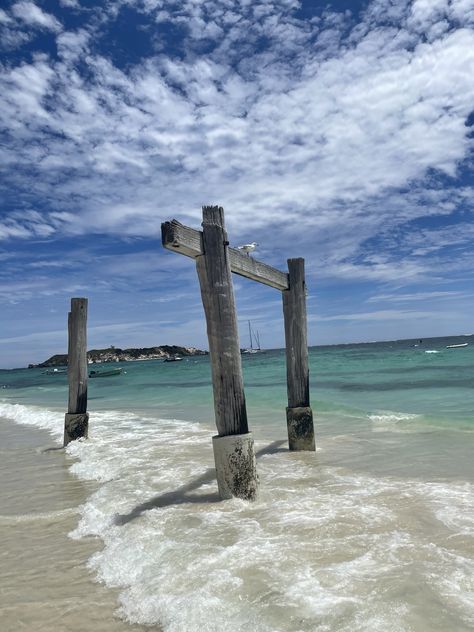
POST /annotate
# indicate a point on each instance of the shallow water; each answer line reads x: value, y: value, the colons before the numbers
x: 373, y: 532
x: 44, y: 579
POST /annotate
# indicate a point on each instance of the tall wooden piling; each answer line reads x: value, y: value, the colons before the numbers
x: 233, y: 446
x: 299, y: 415
x: 215, y: 260
x: 77, y: 419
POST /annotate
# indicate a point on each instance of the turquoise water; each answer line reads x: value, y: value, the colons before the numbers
x: 406, y: 376
x: 373, y: 532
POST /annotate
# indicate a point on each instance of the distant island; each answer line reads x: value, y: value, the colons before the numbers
x: 114, y: 354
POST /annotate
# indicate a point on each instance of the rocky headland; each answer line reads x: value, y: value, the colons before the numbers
x: 114, y: 354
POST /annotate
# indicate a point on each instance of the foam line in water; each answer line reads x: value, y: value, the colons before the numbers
x: 323, y: 547
x: 48, y: 516
x: 316, y: 548
x: 52, y: 421
x: 389, y: 421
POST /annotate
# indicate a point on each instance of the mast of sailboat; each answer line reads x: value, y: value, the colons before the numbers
x: 250, y: 335
x: 258, y: 340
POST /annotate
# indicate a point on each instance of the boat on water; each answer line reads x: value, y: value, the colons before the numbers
x: 462, y: 344
x: 253, y: 336
x: 54, y: 371
x: 106, y: 373
x: 173, y: 359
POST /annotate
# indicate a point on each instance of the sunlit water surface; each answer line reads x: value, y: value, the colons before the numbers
x: 373, y: 532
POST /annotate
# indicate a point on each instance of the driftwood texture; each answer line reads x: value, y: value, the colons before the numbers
x: 76, y: 426
x: 294, y: 311
x: 215, y: 261
x: 217, y: 293
x: 77, y: 356
x: 189, y: 242
x: 299, y: 416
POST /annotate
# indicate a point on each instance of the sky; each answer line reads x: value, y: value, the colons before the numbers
x: 341, y: 132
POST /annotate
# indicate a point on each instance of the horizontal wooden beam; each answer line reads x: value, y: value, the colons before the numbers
x: 188, y: 241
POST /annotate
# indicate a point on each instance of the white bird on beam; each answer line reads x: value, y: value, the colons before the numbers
x: 248, y: 248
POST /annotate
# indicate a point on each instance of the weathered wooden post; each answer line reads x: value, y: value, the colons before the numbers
x: 77, y: 419
x: 233, y: 446
x: 299, y: 416
x: 215, y: 260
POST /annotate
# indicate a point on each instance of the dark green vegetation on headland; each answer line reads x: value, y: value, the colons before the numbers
x: 114, y: 354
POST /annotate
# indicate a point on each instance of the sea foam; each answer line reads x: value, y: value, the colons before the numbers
x: 389, y: 421
x: 52, y: 421
x: 324, y: 548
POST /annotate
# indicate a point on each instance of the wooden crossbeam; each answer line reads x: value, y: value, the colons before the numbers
x: 188, y: 241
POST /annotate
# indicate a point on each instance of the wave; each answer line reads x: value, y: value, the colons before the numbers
x: 52, y: 421
x: 323, y: 548
x: 388, y: 421
x: 47, y: 516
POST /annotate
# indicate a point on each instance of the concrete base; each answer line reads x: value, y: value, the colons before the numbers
x: 300, y: 428
x: 76, y: 425
x: 236, y: 466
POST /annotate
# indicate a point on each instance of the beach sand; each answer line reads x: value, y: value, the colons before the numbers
x: 44, y: 581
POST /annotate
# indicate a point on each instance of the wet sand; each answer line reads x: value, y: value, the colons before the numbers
x: 44, y: 580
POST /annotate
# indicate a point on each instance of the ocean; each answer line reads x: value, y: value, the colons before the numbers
x: 373, y: 532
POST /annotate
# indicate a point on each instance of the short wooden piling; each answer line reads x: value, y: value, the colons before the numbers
x: 299, y: 415
x: 77, y: 419
x: 233, y: 447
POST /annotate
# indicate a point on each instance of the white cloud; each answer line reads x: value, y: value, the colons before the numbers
x: 27, y: 86
x: 37, y: 287
x: 12, y: 39
x: 417, y: 296
x: 32, y: 15
x: 72, y: 44
x: 61, y: 334
x: 26, y: 224
x: 375, y: 269
x: 317, y: 128
x: 462, y: 10
x: 4, y: 17
x: 428, y: 11
x: 10, y: 229
x: 44, y: 336
x: 380, y: 315
x: 430, y: 15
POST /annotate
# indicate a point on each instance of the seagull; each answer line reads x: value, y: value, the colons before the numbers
x: 248, y: 248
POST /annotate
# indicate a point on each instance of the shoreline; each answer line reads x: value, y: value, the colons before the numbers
x: 45, y: 576
x: 385, y: 495
x: 333, y: 345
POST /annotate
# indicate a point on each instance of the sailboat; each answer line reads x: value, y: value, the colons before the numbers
x: 257, y: 338
x: 252, y: 349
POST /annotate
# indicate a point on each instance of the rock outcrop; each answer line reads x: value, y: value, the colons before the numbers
x: 114, y: 354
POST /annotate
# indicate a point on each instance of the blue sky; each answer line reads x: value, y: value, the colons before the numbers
x: 341, y: 132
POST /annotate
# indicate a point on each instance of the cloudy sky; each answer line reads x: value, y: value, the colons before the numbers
x: 338, y: 131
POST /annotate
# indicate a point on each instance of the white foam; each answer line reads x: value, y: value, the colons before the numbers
x: 52, y: 421
x: 452, y: 505
x: 236, y: 566
x: 456, y: 585
x: 48, y: 516
x: 322, y: 549
x: 431, y: 351
x: 388, y: 421
x: 213, y: 566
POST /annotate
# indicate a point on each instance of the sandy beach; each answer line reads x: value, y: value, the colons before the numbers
x: 44, y: 580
